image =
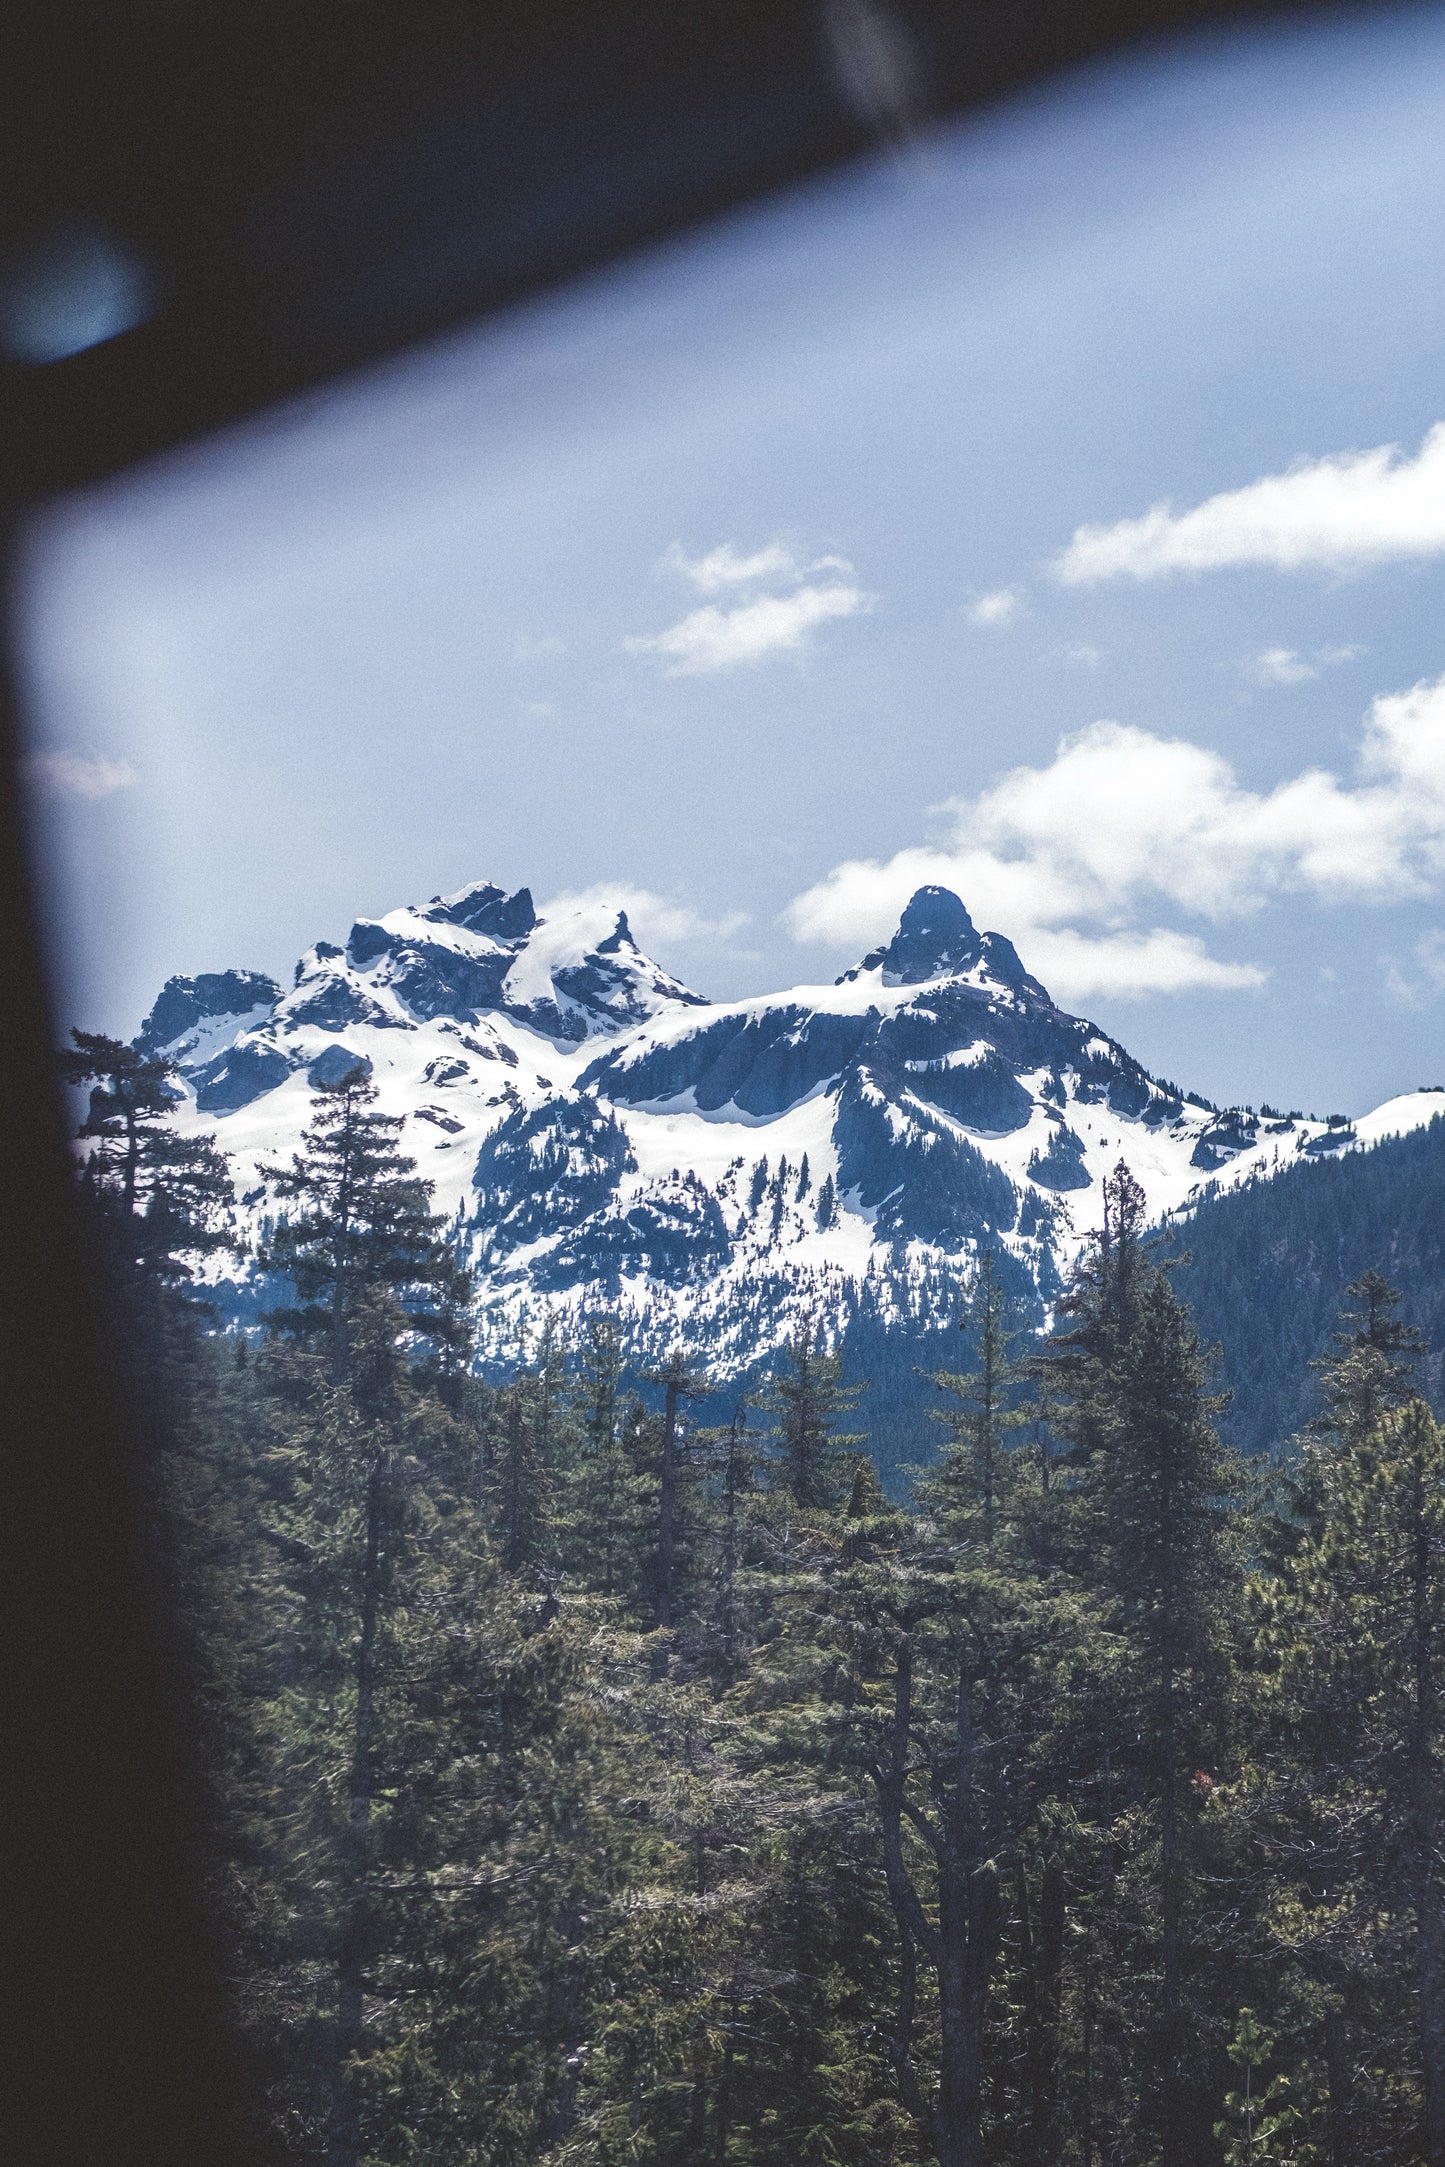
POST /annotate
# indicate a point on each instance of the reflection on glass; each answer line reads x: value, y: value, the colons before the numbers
x: 732, y: 1623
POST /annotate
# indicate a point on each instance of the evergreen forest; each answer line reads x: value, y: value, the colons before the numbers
x: 597, y: 1784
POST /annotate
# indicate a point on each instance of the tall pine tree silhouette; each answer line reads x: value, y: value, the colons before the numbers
x: 363, y: 1250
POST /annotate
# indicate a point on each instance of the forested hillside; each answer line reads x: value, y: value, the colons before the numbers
x: 595, y: 1786
x: 1268, y: 1265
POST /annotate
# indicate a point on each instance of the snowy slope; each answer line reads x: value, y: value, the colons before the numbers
x: 596, y: 1132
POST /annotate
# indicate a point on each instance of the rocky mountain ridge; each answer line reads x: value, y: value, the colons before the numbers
x: 598, y: 1133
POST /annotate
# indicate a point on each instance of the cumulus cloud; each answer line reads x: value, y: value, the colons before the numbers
x: 1071, y: 859
x: 1340, y: 513
x: 997, y: 608
x: 726, y: 567
x: 859, y: 903
x: 757, y: 624
x: 79, y: 775
x: 655, y: 919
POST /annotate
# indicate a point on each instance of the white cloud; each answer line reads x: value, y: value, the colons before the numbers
x: 859, y: 903
x: 654, y: 919
x: 1130, y: 966
x: 726, y: 567
x: 757, y: 624
x: 997, y: 608
x: 1282, y: 666
x: 83, y: 775
x: 1340, y: 513
x: 1122, y: 822
x: 711, y: 639
x: 1084, y: 657
x: 1285, y: 666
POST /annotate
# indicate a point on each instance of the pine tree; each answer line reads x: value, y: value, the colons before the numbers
x: 1353, y: 1635
x: 131, y: 1102
x: 158, y: 1200
x: 374, y: 1279
x: 678, y: 1383
x: 729, y: 1540
x: 1158, y: 1489
x: 971, y: 1646
x: 611, y: 1504
x: 520, y: 1478
x: 998, y: 1828
x: 364, y: 1222
x: 809, y: 1398
x: 985, y: 1396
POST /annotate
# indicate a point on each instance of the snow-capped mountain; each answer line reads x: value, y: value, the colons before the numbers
x: 595, y: 1132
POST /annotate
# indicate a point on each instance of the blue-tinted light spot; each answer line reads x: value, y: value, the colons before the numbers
x: 72, y: 290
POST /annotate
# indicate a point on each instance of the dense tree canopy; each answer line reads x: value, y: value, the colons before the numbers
x: 596, y: 1785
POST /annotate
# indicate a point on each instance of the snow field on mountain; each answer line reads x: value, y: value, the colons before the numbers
x: 595, y: 1133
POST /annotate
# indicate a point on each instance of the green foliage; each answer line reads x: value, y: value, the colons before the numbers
x: 597, y: 1790
x: 809, y: 1398
x: 974, y: 1477
x: 364, y: 1221
x: 1269, y: 1265
x: 159, y: 1202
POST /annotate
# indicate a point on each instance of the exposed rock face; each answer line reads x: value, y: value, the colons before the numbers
x: 184, y: 1005
x: 598, y: 1133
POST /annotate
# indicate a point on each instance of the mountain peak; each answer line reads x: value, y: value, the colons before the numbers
x: 188, y: 1005
x: 935, y: 938
x: 482, y: 907
x: 553, y: 1076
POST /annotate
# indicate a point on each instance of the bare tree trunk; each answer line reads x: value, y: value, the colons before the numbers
x: 1042, y: 1933
x: 132, y: 1158
x: 341, y: 1282
x: 344, y: 2149
x: 1430, y: 1935
x: 1029, y: 1989
x: 667, y: 1507
x: 1087, y: 2117
x: 969, y: 1931
x: 963, y: 1946
x: 1180, y: 2126
x: 514, y: 1547
x: 1425, y: 1831
x: 910, y: 2091
x: 1172, y: 2076
x: 1341, y: 2087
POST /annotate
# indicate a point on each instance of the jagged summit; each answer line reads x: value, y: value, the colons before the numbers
x: 937, y: 938
x: 484, y: 908
x: 186, y: 1007
x: 460, y: 961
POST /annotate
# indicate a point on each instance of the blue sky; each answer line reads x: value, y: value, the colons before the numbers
x: 748, y: 580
